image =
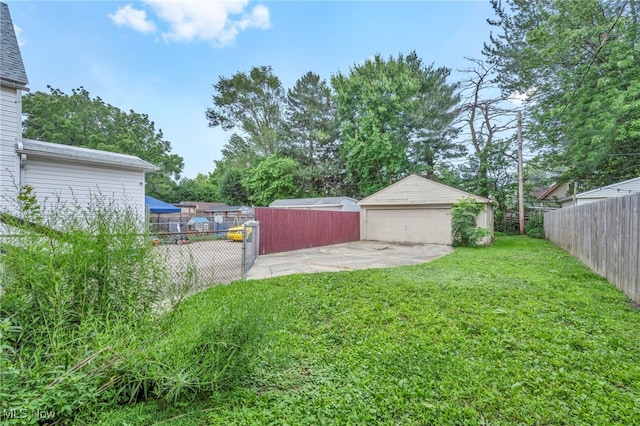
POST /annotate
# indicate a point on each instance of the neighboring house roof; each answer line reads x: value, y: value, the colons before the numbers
x: 201, y: 205
x: 198, y: 220
x: 537, y: 191
x: 416, y: 190
x: 83, y: 155
x: 555, y: 191
x: 619, y: 189
x: 159, y: 206
x: 11, y: 66
x: 322, y: 201
x: 544, y: 194
x: 244, y: 209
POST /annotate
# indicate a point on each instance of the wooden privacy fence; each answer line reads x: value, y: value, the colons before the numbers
x: 291, y: 229
x: 605, y: 235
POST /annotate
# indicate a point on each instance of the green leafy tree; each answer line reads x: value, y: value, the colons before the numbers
x: 311, y: 135
x: 201, y: 188
x: 252, y: 105
x: 80, y: 120
x: 274, y: 178
x: 239, y: 153
x: 578, y: 61
x: 232, y: 188
x: 394, y: 117
x: 310, y: 118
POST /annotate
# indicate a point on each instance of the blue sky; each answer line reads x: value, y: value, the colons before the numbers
x: 161, y: 58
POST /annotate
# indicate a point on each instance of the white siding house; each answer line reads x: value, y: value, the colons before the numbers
x: 13, y: 79
x: 55, y: 171
x: 74, y: 174
x: 618, y: 189
x: 415, y: 210
x: 9, y: 128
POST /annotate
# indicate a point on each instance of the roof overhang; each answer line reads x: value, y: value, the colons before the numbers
x: 74, y: 154
x: 11, y: 84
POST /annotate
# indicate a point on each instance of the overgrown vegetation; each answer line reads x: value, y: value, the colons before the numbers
x: 465, y: 231
x: 517, y: 333
x: 86, y: 313
x: 535, y: 224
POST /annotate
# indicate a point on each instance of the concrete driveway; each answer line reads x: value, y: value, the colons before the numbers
x: 345, y: 257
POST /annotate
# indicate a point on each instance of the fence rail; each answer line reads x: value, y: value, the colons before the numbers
x: 605, y: 235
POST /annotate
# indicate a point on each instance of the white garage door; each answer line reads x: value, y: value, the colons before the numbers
x: 431, y: 226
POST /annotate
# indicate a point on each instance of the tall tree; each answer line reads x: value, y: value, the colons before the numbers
x: 310, y: 117
x: 579, y: 60
x: 391, y: 112
x: 488, y: 124
x: 80, y: 120
x: 433, y: 136
x: 252, y: 105
x: 311, y: 135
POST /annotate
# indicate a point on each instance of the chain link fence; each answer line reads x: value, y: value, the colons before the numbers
x: 198, y: 259
x: 194, y: 260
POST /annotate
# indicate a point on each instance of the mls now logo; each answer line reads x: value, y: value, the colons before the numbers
x: 26, y: 414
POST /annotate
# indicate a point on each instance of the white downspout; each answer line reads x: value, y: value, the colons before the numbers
x: 22, y: 164
x: 22, y: 158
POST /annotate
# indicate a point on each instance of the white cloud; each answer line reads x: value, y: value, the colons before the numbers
x: 521, y: 98
x: 18, y: 31
x: 210, y: 20
x: 136, y: 19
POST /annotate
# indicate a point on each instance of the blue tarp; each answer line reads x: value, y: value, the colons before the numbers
x: 157, y: 206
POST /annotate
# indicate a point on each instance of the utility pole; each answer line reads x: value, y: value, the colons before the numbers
x: 520, y: 176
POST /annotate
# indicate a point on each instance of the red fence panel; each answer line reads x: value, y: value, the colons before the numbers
x: 291, y: 229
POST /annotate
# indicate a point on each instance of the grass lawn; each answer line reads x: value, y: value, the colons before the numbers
x: 516, y: 333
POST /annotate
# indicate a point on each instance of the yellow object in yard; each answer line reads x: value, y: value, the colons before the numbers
x: 236, y: 233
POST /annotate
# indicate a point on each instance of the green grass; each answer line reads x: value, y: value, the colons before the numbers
x: 516, y: 333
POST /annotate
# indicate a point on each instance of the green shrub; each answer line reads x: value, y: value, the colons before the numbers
x: 464, y: 229
x: 535, y: 224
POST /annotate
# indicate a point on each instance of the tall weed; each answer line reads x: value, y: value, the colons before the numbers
x: 71, y: 275
x: 88, y: 314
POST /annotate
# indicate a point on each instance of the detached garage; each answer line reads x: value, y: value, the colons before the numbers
x: 415, y: 210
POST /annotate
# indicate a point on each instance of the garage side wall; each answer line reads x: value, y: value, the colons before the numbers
x: 290, y: 229
x: 485, y: 220
x: 73, y: 182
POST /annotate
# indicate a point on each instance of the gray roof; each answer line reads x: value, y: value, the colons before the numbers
x: 11, y: 65
x: 618, y: 189
x: 243, y: 209
x: 322, y: 201
x: 83, y: 155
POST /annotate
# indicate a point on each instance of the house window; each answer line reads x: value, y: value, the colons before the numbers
x: 205, y: 227
x: 198, y: 226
